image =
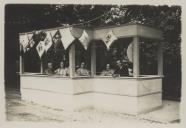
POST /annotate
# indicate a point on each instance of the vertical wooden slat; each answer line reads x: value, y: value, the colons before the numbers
x: 136, y: 57
x: 93, y: 59
x: 160, y: 59
x: 72, y: 60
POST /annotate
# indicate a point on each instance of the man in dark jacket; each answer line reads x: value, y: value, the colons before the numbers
x: 122, y: 69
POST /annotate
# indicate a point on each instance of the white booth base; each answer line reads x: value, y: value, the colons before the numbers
x: 123, y: 95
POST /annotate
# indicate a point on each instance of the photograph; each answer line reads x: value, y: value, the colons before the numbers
x: 98, y: 63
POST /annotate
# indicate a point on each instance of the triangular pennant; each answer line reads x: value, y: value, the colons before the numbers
x: 67, y: 37
x: 23, y: 40
x: 40, y: 48
x: 109, y: 38
x: 85, y: 39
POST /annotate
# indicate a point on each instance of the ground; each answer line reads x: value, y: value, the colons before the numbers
x: 19, y: 110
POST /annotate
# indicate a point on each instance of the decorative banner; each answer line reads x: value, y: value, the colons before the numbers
x: 109, y: 39
x: 85, y: 39
x: 40, y: 48
x: 23, y: 40
x: 48, y: 39
x: 67, y: 37
x: 30, y: 40
x: 129, y: 53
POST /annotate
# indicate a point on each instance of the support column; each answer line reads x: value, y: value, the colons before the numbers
x: 135, y: 45
x: 93, y: 59
x: 21, y: 61
x: 160, y: 59
x: 72, y: 60
x: 41, y: 67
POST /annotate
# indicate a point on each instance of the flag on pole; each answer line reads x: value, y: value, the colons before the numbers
x: 23, y: 40
x: 40, y: 48
x: 67, y: 37
x: 85, y: 39
x: 109, y: 38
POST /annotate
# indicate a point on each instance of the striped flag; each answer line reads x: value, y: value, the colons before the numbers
x: 67, y: 37
x: 109, y: 38
x: 85, y: 39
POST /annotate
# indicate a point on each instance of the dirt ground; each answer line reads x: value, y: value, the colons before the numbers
x: 18, y: 110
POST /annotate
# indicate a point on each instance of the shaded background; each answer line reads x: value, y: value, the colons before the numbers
x: 23, y: 18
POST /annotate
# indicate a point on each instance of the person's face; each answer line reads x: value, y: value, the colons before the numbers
x: 107, y: 66
x: 62, y: 65
x: 50, y: 65
x: 82, y: 65
x: 118, y: 63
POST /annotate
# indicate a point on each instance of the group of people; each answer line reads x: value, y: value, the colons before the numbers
x: 64, y: 71
x: 122, y: 69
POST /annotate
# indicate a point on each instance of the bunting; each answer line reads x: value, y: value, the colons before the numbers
x: 23, y: 40
x: 109, y: 38
x: 48, y: 39
x: 85, y: 39
x: 31, y: 42
x: 40, y: 48
x: 67, y: 37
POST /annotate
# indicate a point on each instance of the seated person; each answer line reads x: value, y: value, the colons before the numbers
x: 62, y: 70
x: 122, y: 69
x: 82, y: 71
x: 108, y: 71
x: 49, y: 70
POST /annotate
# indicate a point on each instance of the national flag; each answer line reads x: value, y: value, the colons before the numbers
x: 23, y: 40
x: 85, y: 39
x: 40, y: 48
x: 109, y: 38
x: 67, y: 37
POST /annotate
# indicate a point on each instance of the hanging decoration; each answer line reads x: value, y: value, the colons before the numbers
x: 67, y: 37
x: 109, y: 38
x: 85, y: 39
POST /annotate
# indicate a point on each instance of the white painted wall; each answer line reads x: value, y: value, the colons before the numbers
x: 124, y: 95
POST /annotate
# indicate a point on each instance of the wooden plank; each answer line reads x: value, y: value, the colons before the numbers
x: 148, y: 32
x: 93, y: 59
x: 135, y: 44
x: 160, y: 59
x: 72, y: 60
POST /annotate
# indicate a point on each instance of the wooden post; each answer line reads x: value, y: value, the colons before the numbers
x: 160, y: 59
x: 72, y: 60
x: 93, y: 59
x: 135, y: 45
x: 41, y: 67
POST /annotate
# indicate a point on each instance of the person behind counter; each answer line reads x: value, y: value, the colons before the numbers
x: 82, y: 71
x: 122, y: 69
x: 49, y: 70
x: 62, y: 71
x: 108, y: 71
